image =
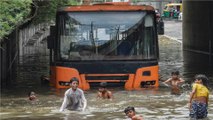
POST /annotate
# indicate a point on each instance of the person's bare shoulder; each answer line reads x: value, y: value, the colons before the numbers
x: 137, y: 117
x: 98, y: 94
x: 109, y: 94
x: 181, y: 79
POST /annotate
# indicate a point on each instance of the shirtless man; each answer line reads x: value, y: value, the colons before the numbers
x: 74, y: 98
x: 103, y: 92
x: 130, y: 112
x: 175, y: 81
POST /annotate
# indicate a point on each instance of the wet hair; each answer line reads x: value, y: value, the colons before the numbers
x: 103, y: 84
x: 29, y: 94
x: 128, y: 109
x: 74, y: 79
x: 203, y: 78
x: 175, y: 73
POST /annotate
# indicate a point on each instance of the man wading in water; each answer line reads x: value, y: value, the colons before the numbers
x: 103, y: 93
x: 175, y: 81
x: 74, y: 98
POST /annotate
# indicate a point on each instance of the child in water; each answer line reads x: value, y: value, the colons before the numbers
x: 103, y: 92
x: 199, y: 97
x: 32, y: 96
x: 130, y: 112
x: 175, y: 81
x: 74, y: 98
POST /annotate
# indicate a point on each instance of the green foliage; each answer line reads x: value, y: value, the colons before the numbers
x: 47, y: 9
x: 12, y: 13
x: 73, y: 2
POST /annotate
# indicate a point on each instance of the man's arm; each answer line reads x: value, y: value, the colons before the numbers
x: 64, y: 104
x: 167, y: 81
x: 99, y: 95
x: 84, y: 101
x: 136, y: 117
x: 207, y: 100
x: 191, y: 96
x: 181, y: 81
x: 110, y: 95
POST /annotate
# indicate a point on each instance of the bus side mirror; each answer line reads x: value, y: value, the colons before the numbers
x: 160, y: 27
x: 51, y: 38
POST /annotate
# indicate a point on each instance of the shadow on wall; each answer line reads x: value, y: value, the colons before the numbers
x: 195, y: 63
x: 196, y: 59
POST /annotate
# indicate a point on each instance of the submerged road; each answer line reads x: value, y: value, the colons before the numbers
x: 173, y: 29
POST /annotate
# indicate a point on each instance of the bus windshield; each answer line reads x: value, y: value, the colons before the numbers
x: 106, y: 36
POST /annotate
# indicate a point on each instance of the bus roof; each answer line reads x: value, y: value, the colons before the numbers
x: 107, y: 7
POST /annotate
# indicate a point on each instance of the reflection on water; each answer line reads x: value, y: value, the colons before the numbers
x: 151, y: 104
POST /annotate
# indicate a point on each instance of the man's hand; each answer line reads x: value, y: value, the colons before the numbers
x: 190, y: 106
x: 61, y: 110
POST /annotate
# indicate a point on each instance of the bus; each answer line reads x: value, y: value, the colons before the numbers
x: 115, y: 43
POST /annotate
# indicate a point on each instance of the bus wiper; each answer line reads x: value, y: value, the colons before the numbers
x: 92, y: 39
x: 117, y: 33
x: 92, y: 35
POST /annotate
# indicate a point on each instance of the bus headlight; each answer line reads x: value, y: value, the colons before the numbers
x: 62, y: 83
x: 147, y: 83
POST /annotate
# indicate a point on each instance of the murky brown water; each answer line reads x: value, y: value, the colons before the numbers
x: 151, y: 104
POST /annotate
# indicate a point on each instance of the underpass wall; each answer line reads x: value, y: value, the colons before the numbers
x: 198, y: 27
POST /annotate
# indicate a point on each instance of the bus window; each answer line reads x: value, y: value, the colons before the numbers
x: 110, y: 36
x: 149, y: 45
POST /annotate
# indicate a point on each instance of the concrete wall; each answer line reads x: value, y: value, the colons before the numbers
x: 198, y: 27
x: 19, y: 47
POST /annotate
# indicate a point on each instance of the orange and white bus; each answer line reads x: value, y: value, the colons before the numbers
x: 108, y: 42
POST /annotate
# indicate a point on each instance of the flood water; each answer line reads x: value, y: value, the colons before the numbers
x: 152, y: 104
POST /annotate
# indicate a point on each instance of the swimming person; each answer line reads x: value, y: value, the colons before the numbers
x: 199, y: 98
x: 175, y: 81
x: 130, y: 112
x: 74, y: 98
x: 103, y: 92
x: 32, y: 96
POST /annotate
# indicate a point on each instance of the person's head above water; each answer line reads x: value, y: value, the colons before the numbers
x: 31, y: 95
x: 74, y: 79
x: 74, y: 83
x: 200, y: 78
x: 129, y: 111
x: 102, y: 86
x: 175, y: 74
